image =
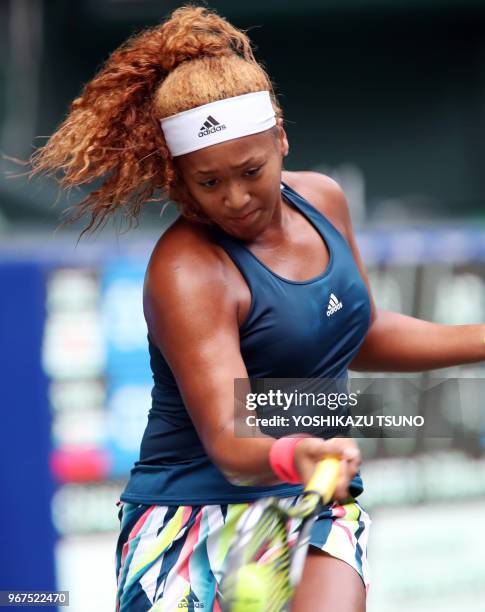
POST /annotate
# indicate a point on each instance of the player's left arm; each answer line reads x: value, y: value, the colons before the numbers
x: 396, y: 342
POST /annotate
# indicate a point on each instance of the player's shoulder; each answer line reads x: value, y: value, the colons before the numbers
x: 185, y: 254
x: 324, y: 193
x: 186, y: 289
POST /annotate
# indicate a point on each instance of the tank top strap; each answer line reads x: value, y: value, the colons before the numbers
x: 318, y: 219
x: 257, y: 278
x: 240, y: 255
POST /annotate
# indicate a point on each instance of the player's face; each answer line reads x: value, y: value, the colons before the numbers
x: 237, y: 183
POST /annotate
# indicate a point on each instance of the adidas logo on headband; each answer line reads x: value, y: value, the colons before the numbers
x: 239, y: 116
x: 210, y: 126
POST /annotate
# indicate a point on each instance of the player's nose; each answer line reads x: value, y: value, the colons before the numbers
x: 236, y: 198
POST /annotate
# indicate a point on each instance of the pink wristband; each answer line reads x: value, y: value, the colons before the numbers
x: 282, y: 458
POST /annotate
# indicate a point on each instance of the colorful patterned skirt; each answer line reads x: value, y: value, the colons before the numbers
x: 171, y: 558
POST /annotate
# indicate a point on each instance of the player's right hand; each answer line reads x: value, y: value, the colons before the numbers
x: 310, y: 451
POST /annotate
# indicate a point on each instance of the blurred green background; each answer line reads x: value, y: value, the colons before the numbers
x: 393, y: 89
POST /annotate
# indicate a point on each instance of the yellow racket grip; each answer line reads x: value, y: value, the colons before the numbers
x: 325, y: 477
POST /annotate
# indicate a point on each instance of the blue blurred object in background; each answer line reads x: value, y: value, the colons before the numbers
x: 27, y: 535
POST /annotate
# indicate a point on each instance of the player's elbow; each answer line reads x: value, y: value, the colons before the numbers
x: 230, y: 456
x: 220, y: 454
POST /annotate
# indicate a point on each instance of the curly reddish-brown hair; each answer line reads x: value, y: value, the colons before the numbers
x: 112, y: 132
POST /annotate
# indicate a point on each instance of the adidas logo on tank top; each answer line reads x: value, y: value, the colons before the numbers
x: 333, y: 305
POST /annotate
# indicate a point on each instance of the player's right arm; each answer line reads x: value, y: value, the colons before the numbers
x: 191, y: 313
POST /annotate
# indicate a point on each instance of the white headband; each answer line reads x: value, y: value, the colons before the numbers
x: 217, y: 122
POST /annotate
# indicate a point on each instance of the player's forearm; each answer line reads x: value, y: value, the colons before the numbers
x: 244, y: 461
x: 398, y: 343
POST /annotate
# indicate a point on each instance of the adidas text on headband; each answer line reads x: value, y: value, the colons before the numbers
x: 217, y: 122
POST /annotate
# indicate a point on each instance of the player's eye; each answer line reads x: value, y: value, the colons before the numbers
x: 253, y: 171
x: 209, y: 183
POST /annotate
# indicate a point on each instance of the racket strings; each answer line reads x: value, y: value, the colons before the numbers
x: 268, y: 536
x: 270, y: 549
x: 272, y: 537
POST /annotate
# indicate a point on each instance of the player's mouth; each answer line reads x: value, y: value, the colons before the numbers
x: 245, y: 218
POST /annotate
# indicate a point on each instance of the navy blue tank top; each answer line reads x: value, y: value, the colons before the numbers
x: 287, y: 333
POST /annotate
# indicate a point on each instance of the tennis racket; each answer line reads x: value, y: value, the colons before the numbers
x: 266, y: 560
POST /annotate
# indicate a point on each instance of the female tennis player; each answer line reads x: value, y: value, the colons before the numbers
x: 260, y: 276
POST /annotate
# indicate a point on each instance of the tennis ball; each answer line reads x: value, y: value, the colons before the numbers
x: 251, y: 592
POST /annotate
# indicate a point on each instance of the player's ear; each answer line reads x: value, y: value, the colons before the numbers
x: 283, y: 139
